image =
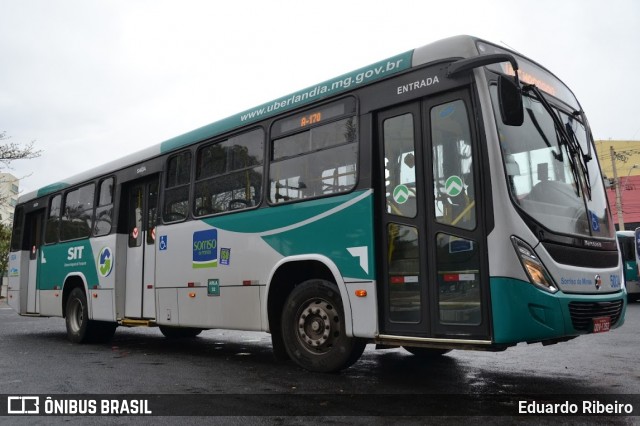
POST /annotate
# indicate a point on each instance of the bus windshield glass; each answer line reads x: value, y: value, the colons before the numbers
x: 559, y: 187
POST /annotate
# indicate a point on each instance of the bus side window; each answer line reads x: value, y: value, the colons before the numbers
x: 229, y: 174
x: 316, y: 162
x: 52, y: 230
x: 104, y: 210
x: 78, y: 213
x: 176, y: 193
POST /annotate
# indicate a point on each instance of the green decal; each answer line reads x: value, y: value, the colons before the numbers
x: 105, y: 261
x: 58, y: 261
x: 453, y: 186
x: 213, y: 287
x: 331, y: 233
x: 401, y: 194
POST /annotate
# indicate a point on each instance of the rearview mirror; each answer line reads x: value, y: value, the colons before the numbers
x: 510, y: 97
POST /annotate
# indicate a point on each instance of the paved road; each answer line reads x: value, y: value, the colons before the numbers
x: 234, y: 372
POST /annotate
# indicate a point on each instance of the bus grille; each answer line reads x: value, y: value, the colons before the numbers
x: 583, y: 313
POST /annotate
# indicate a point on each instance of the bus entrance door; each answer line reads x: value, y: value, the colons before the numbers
x: 433, y: 285
x: 33, y: 235
x: 142, y: 203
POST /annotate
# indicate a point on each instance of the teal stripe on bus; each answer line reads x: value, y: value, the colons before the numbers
x: 341, y: 84
x: 327, y: 226
x: 54, y: 187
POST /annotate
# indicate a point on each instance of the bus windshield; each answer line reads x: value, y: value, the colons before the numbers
x: 559, y: 187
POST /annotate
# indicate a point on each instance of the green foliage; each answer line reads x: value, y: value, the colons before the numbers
x: 5, y: 243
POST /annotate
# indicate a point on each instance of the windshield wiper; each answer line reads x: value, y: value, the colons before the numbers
x: 583, y: 117
x: 577, y: 159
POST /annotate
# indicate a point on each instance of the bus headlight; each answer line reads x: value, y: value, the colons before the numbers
x: 537, y: 273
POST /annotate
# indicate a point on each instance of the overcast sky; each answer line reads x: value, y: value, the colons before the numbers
x: 91, y: 81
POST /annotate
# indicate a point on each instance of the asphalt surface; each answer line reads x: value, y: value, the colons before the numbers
x: 233, y: 375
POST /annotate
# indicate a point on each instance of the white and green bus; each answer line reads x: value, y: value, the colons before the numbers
x: 445, y: 198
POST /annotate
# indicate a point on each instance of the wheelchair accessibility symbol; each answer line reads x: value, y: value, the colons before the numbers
x: 163, y: 242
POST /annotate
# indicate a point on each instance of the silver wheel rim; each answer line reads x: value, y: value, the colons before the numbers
x: 318, y: 326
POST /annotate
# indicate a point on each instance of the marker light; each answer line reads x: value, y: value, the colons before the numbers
x: 537, y: 273
x: 192, y: 295
x: 361, y: 293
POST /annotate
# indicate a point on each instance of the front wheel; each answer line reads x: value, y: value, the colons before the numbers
x: 313, y: 328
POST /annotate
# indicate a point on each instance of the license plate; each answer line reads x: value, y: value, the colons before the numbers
x: 601, y: 324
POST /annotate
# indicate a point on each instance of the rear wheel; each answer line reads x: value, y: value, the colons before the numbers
x: 313, y: 328
x: 79, y: 328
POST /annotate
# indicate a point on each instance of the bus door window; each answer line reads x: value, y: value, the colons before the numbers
x: 400, y: 173
x: 52, y: 228
x: 152, y: 211
x: 453, y: 166
x: 403, y: 252
x: 104, y: 210
x: 34, y: 234
x: 457, y: 258
x: 136, y: 195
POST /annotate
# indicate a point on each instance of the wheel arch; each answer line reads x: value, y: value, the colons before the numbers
x: 291, y: 271
x: 71, y: 281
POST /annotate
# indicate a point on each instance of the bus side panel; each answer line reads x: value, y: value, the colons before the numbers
x: 632, y: 281
x: 101, y: 296
x: 50, y: 303
x: 18, y: 276
x: 60, y: 262
x: 216, y: 275
x: 120, y: 273
x: 219, y: 264
x: 235, y: 308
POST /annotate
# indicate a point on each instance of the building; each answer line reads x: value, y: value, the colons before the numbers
x: 626, y: 155
x: 9, y: 192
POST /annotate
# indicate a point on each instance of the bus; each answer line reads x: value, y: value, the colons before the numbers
x: 448, y: 197
x: 628, y: 249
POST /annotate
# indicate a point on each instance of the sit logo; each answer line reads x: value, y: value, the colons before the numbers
x: 74, y: 253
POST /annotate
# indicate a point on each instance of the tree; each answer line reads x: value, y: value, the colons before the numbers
x: 5, y: 243
x: 11, y: 151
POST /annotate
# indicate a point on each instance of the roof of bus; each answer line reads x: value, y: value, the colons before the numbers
x: 450, y: 48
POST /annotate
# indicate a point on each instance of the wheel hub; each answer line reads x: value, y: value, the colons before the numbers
x: 314, y: 325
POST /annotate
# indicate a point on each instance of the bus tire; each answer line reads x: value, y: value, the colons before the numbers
x: 179, y: 332
x: 313, y: 328
x: 77, y: 316
x: 426, y: 353
x: 80, y: 329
